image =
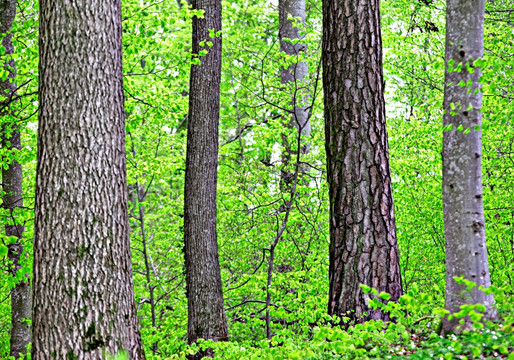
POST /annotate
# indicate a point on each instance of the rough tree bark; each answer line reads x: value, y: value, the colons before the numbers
x: 363, y: 246
x: 206, y: 314
x: 464, y: 222
x: 83, y: 291
x: 12, y: 178
x: 294, y: 74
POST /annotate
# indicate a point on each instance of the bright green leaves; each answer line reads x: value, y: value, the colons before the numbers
x: 385, y: 296
x: 452, y: 68
x: 120, y: 355
x: 460, y: 128
x: 3, y: 251
x: 214, y: 34
x: 208, y: 43
x: 450, y: 64
x: 479, y: 63
x: 198, y: 13
x: 463, y: 83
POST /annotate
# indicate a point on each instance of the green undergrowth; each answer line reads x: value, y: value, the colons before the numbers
x: 414, y: 334
x: 374, y: 340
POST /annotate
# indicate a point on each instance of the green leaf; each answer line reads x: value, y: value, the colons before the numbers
x: 121, y: 355
x: 478, y: 325
x: 478, y: 62
x: 450, y: 65
x: 475, y: 351
x: 365, y: 289
x: 385, y: 296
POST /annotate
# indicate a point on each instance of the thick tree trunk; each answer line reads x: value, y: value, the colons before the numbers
x: 363, y: 246
x: 464, y: 223
x: 83, y: 291
x: 12, y: 178
x: 294, y: 74
x: 206, y: 314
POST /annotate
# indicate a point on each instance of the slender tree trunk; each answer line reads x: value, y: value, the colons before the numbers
x: 363, y: 246
x: 141, y: 195
x: 12, y: 178
x: 294, y: 74
x: 21, y: 294
x: 83, y: 291
x: 464, y: 223
x: 206, y: 314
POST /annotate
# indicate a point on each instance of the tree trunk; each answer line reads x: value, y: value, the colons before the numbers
x: 83, y: 291
x: 464, y: 223
x: 206, y: 314
x: 12, y: 179
x: 21, y: 303
x: 363, y: 246
x: 141, y: 195
x: 294, y: 74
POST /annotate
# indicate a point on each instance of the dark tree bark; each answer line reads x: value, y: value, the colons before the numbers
x: 206, y: 314
x: 83, y: 291
x: 464, y: 222
x: 294, y: 74
x: 363, y: 246
x: 12, y: 179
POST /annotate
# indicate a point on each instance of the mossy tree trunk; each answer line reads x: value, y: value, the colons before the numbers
x: 83, y: 291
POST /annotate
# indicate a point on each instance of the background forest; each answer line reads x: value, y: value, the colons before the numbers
x: 156, y: 64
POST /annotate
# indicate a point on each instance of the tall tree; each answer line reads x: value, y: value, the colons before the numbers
x: 294, y: 75
x: 464, y: 223
x: 363, y: 246
x: 83, y: 291
x: 12, y: 178
x: 206, y: 313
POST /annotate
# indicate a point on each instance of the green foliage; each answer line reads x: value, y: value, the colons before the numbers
x: 412, y: 335
x: 121, y: 355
